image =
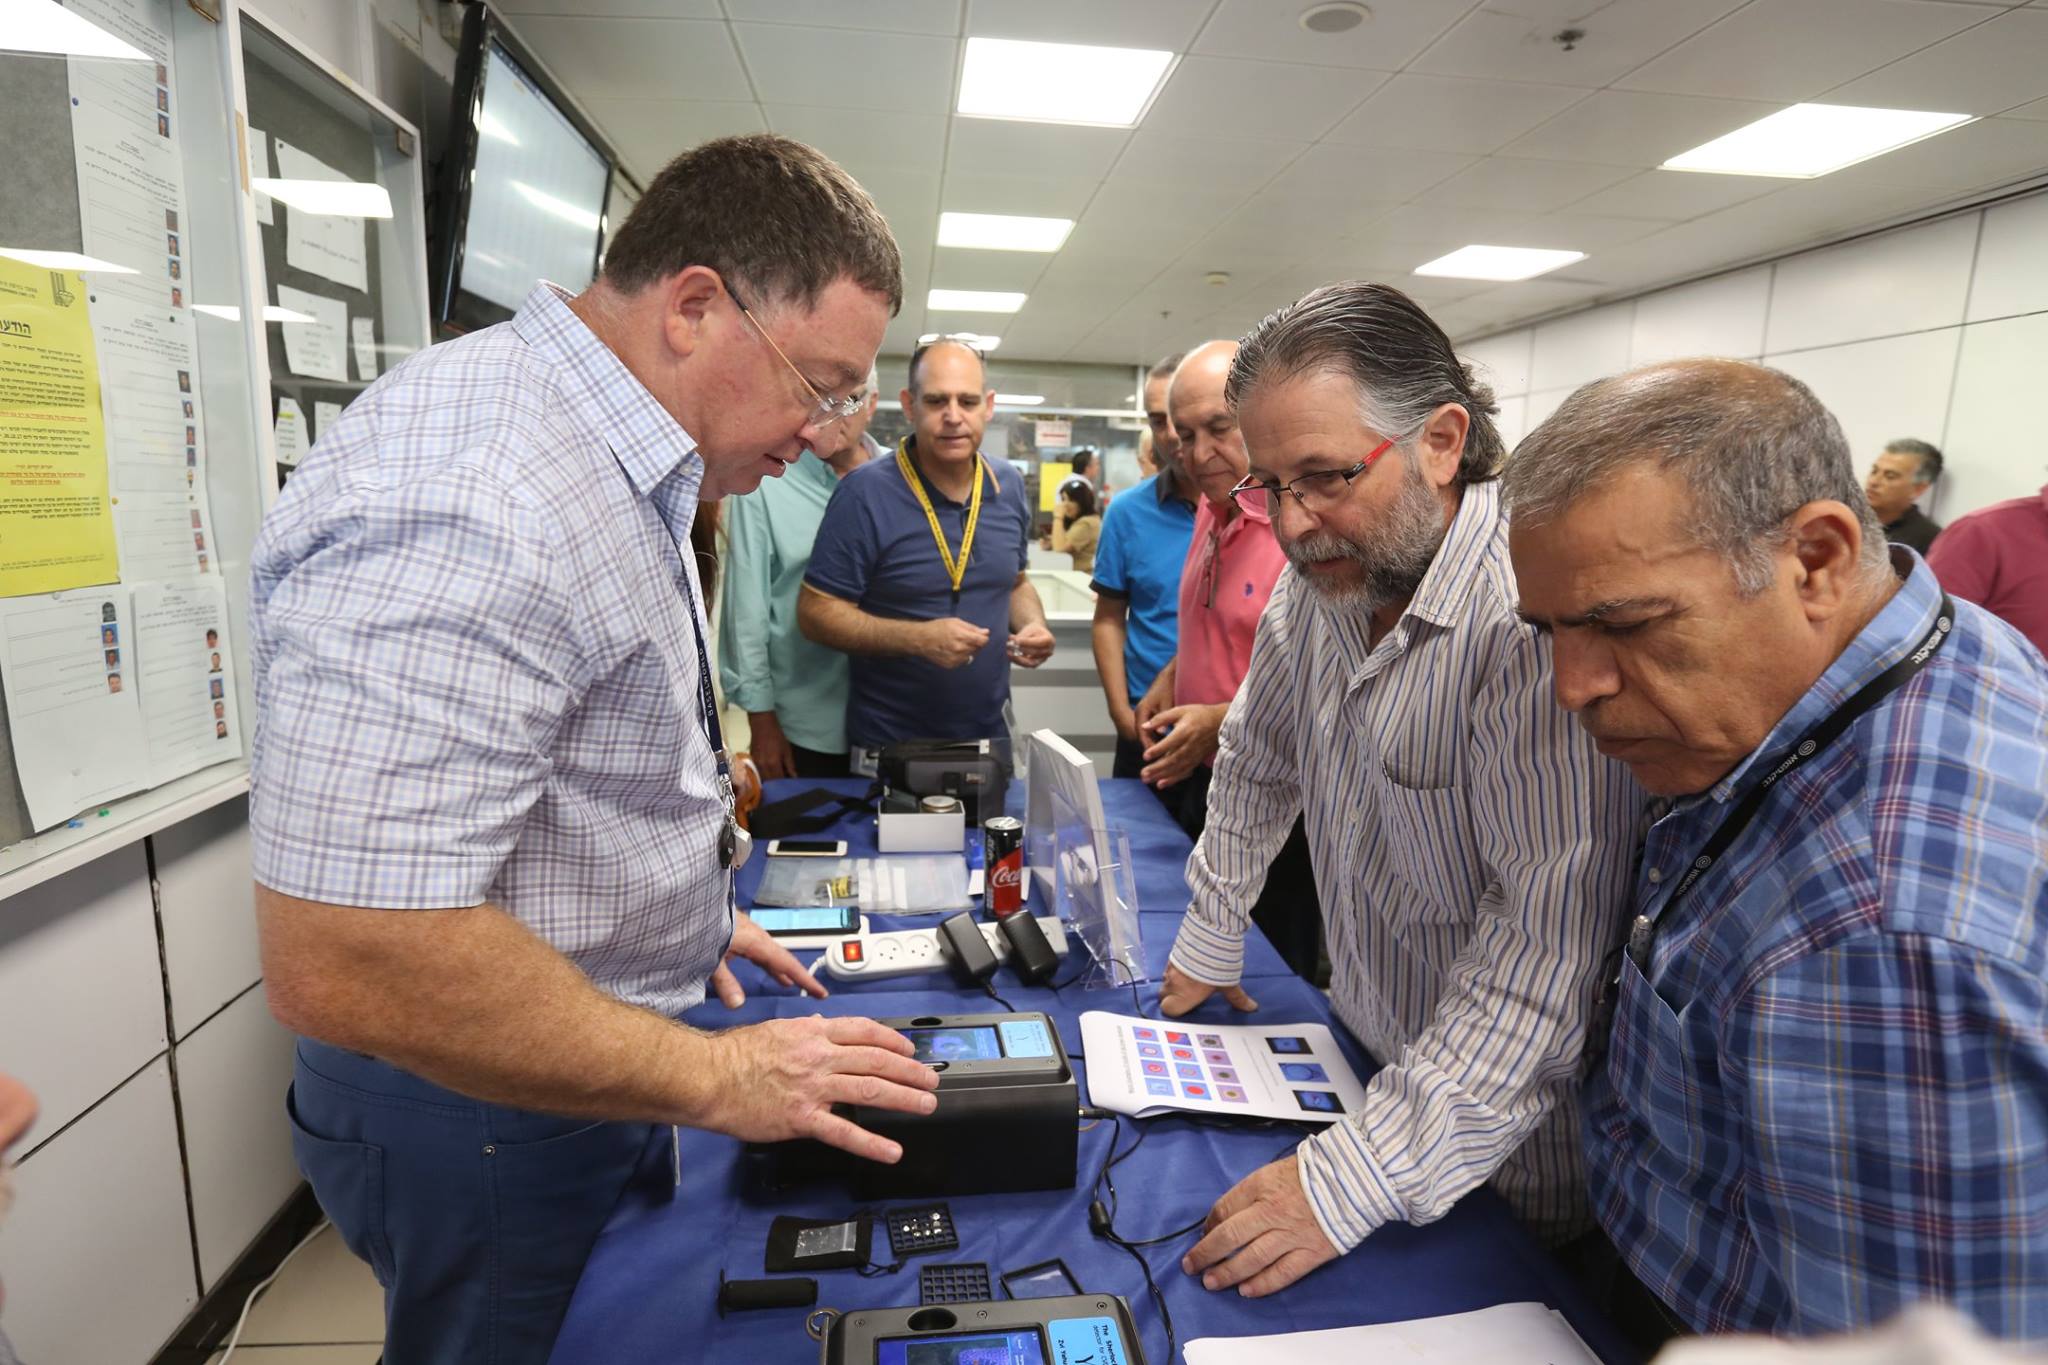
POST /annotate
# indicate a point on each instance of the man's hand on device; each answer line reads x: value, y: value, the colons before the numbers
x: 780, y: 1079
x: 752, y: 942
x: 1181, y: 993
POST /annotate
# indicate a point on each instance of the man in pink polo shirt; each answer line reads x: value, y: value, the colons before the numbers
x: 1233, y: 563
x: 1997, y: 557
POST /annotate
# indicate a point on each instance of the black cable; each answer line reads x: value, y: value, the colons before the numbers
x: 1102, y: 1222
x: 990, y: 988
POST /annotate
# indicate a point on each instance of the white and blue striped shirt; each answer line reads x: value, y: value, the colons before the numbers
x: 1472, y: 852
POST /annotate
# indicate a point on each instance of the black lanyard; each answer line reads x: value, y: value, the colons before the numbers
x: 707, y: 704
x: 1643, y: 933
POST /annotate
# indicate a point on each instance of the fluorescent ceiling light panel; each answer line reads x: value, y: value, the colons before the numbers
x: 560, y: 208
x: 973, y: 339
x: 329, y: 198
x: 62, y: 260
x: 1003, y: 232
x: 1106, y: 87
x: 973, y: 301
x: 271, y: 312
x: 1020, y: 400
x: 1809, y: 140
x: 1499, y: 262
x: 45, y: 26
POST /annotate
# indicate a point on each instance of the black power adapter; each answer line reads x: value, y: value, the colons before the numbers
x: 1031, y: 955
x: 961, y: 941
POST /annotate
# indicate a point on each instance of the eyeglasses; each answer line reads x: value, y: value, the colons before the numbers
x: 1317, y: 492
x: 824, y: 411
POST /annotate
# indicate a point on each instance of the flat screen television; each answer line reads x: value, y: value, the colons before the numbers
x: 522, y: 187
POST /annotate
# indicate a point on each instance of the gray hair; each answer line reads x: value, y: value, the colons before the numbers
x: 1403, y: 364
x: 1752, y: 444
x: 1166, y: 366
x: 1928, y: 455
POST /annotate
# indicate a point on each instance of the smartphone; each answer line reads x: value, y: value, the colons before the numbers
x: 820, y: 919
x: 807, y: 848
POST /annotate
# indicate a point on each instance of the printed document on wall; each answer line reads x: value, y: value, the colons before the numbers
x: 187, y: 677
x: 67, y: 670
x: 56, y: 517
x: 333, y: 246
x: 316, y: 349
x: 131, y: 198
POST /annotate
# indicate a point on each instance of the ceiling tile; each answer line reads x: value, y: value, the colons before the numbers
x: 893, y: 16
x: 958, y: 268
x: 1009, y: 147
x: 867, y: 139
x: 1989, y: 152
x: 1230, y: 98
x: 811, y: 66
x: 1034, y: 196
x: 1161, y: 159
x: 1626, y: 128
x: 649, y: 133
x: 1981, y: 71
x: 1396, y: 32
x: 1675, y: 195
x: 1519, y: 45
x: 1363, y: 182
x: 1158, y: 24
x: 1501, y: 182
x: 647, y: 59
x: 608, y: 9
x: 1161, y: 220
x: 908, y: 199
x: 1791, y: 50
x: 1581, y: 231
x: 1276, y: 221
x: 1450, y: 114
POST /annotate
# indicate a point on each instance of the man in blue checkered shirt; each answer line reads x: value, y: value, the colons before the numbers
x: 491, y: 842
x: 1825, y: 1094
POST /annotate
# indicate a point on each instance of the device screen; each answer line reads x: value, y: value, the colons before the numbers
x: 974, y: 1043
x: 809, y: 848
x: 821, y: 919
x: 1019, y: 1346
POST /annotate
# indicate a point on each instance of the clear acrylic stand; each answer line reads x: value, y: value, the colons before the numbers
x: 1095, y: 891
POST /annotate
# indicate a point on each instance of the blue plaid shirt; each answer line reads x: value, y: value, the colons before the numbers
x: 1828, y: 1097
x: 476, y: 674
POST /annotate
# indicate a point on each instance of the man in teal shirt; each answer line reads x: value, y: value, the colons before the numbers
x: 792, y: 690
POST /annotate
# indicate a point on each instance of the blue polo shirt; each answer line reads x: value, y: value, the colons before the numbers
x: 1144, y: 542
x: 875, y: 550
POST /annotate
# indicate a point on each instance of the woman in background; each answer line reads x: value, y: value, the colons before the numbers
x: 1076, y: 526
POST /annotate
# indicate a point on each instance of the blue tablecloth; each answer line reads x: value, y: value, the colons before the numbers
x: 648, y: 1292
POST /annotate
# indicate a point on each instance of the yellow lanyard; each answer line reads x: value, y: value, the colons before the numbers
x: 956, y: 570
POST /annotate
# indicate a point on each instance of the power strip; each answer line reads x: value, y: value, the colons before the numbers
x: 908, y: 952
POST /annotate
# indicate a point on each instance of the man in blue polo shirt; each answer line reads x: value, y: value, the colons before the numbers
x: 1144, y: 543
x: 918, y: 571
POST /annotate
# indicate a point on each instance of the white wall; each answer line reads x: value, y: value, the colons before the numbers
x: 1932, y: 331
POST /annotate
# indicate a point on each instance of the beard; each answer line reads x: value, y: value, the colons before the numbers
x: 1391, y: 564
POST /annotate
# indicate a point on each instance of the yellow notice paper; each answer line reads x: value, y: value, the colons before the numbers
x: 1051, y: 474
x: 56, y: 523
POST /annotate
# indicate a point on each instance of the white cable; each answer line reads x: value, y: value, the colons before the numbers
x: 263, y: 1284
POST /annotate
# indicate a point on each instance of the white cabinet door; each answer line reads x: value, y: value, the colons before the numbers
x: 97, y: 1257
x: 81, y: 995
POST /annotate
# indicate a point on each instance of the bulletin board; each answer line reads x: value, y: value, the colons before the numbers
x: 136, y: 454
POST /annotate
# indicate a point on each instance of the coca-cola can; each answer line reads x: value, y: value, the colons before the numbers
x: 1002, y: 842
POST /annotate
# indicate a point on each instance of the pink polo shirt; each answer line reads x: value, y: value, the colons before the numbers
x: 1996, y: 557
x: 1224, y: 586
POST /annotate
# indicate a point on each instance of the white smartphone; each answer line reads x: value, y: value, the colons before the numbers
x: 807, y: 848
